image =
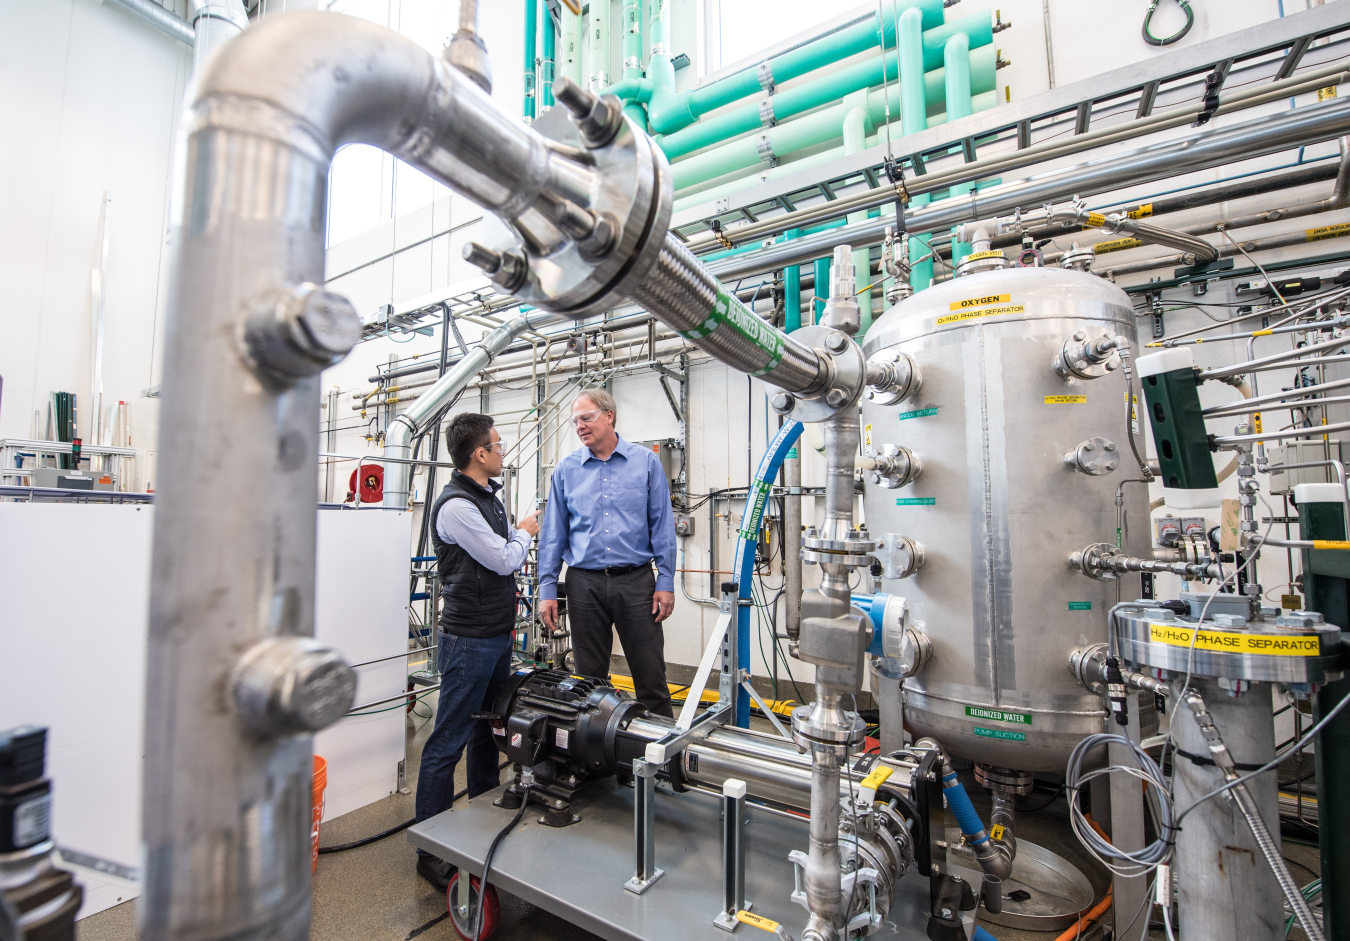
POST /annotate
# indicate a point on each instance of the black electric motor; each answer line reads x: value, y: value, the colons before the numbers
x: 570, y: 730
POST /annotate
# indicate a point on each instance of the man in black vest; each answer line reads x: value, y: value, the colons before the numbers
x: 477, y: 555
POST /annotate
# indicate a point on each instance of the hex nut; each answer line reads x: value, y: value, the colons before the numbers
x: 290, y: 686
x: 298, y: 332
x: 836, y: 342
x: 783, y: 402
x: 836, y: 398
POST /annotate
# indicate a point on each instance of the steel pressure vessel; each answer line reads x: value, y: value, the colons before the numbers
x: 1020, y: 468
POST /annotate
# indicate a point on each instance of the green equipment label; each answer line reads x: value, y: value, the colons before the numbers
x: 915, y: 501
x: 730, y: 314
x: 1080, y: 605
x: 918, y: 413
x: 792, y: 453
x: 998, y: 715
x: 999, y: 733
x: 759, y: 493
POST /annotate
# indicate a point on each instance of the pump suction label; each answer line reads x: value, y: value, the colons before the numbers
x: 1278, y: 645
x: 999, y: 733
x: 730, y: 314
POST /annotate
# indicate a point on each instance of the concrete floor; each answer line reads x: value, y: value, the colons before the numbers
x: 373, y: 894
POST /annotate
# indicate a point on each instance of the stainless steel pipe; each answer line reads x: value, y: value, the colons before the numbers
x: 1306, y: 125
x: 398, y: 437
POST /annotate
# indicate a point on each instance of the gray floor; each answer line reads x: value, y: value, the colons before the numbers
x: 373, y: 894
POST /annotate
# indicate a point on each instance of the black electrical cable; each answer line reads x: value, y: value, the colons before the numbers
x: 340, y: 847
x: 477, y: 925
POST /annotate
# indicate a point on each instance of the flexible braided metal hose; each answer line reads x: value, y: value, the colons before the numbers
x: 688, y: 298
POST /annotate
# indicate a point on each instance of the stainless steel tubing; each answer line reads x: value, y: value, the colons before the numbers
x: 824, y: 895
x: 152, y: 14
x: 687, y: 297
x: 226, y: 817
x: 398, y: 437
x: 1310, y: 124
x: 792, y: 534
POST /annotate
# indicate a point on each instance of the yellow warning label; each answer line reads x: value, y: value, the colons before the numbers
x: 1095, y: 220
x: 986, y: 312
x: 878, y: 777
x: 867, y: 434
x: 1331, y: 544
x: 759, y: 921
x: 1145, y: 209
x: 978, y: 256
x: 1116, y: 245
x: 1279, y: 645
x: 996, y: 832
x: 970, y: 302
x: 1066, y: 400
x: 1327, y: 232
x: 1324, y: 93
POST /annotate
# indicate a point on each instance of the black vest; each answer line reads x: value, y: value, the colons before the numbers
x: 475, y: 601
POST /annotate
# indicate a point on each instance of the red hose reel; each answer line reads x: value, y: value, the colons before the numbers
x: 372, y: 483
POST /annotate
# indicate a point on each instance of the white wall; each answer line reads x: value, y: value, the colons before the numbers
x: 90, y: 105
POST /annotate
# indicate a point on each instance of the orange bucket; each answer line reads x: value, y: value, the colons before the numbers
x: 320, y: 783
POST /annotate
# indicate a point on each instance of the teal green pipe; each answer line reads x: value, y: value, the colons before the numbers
x: 866, y: 74
x: 597, y: 28
x: 956, y: 58
x: 855, y: 140
x: 547, y: 63
x: 822, y: 273
x: 792, y: 289
x: 531, y: 27
x: 669, y: 111
x: 914, y: 118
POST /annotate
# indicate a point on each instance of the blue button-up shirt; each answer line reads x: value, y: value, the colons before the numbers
x: 607, y: 513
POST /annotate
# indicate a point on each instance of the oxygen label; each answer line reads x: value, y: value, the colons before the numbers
x: 1066, y: 400
x: 984, y: 312
x: 1278, y: 645
x: 999, y: 733
x: 918, y: 413
x: 985, y: 301
x: 998, y: 715
x: 730, y: 314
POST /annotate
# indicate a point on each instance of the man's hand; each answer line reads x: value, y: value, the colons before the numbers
x: 530, y: 524
x: 548, y: 610
x: 663, y: 603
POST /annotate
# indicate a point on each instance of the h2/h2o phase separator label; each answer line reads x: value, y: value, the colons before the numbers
x: 1294, y: 645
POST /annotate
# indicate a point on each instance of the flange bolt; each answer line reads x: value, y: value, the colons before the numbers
x: 598, y: 118
x: 783, y: 402
x: 299, y: 332
x: 291, y: 685
x: 505, y: 268
x: 836, y: 343
x: 836, y: 398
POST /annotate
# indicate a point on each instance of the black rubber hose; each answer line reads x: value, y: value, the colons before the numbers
x: 339, y: 847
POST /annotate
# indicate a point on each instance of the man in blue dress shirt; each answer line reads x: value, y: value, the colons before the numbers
x: 608, y: 517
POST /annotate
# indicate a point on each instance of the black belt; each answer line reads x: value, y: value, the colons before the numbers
x: 615, y: 569
x: 1210, y: 762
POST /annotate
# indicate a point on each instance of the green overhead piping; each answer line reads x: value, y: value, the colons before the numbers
x: 792, y: 289
x: 669, y: 111
x: 632, y: 55
x: 547, y: 62
x: 980, y: 69
x: 531, y: 27
x: 571, y: 44
x: 855, y: 140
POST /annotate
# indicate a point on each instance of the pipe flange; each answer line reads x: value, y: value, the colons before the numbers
x: 831, y: 738
x: 634, y: 197
x: 1085, y: 663
x: 892, y: 377
x: 900, y: 556
x: 1095, y: 457
x: 846, y: 373
x: 1094, y: 561
x: 993, y: 260
x: 1082, y: 358
x: 896, y: 466
x: 1005, y: 780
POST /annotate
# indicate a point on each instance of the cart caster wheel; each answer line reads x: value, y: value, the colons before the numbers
x: 462, y: 910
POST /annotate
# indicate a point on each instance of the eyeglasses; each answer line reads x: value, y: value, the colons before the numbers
x: 585, y: 418
x: 498, y: 446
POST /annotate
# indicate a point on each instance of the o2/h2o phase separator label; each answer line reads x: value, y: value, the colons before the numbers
x: 982, y: 312
x: 729, y: 313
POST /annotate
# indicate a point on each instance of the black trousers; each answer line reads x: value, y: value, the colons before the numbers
x: 597, y: 602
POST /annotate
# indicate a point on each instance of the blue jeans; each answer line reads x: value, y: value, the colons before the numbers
x: 472, y: 669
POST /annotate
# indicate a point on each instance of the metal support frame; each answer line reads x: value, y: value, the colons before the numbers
x: 1127, y: 833
x: 645, y: 873
x: 733, y: 855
